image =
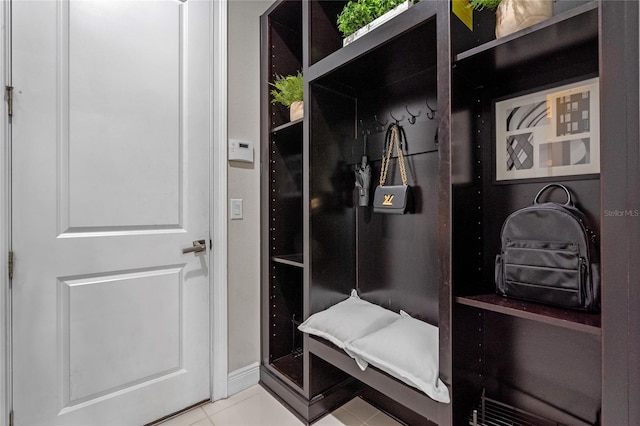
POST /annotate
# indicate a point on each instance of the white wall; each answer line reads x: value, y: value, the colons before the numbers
x: 244, y: 182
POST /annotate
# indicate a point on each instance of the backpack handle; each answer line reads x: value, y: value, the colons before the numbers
x: 551, y: 185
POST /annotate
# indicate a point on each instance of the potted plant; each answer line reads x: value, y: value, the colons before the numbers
x: 361, y: 16
x: 289, y: 91
x: 514, y: 15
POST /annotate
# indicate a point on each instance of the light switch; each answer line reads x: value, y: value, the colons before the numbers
x: 236, y: 208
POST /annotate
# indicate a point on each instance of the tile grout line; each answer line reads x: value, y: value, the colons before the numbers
x: 179, y: 414
x: 254, y: 393
x: 364, y: 421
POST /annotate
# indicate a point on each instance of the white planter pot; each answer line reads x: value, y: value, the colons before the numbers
x: 296, y: 111
x: 377, y: 22
x: 514, y: 15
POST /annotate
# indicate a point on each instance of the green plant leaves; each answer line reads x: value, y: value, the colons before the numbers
x: 358, y: 13
x: 484, y: 4
x: 287, y: 89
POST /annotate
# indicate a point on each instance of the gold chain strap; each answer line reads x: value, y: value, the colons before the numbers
x: 384, y: 168
x: 403, y: 171
x: 394, y: 140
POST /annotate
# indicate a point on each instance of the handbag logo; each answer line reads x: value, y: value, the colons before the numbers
x: 388, y: 200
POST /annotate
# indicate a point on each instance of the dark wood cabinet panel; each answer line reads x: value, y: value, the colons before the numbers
x: 620, y: 224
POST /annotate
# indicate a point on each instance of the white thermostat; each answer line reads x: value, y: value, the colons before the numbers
x: 240, y: 150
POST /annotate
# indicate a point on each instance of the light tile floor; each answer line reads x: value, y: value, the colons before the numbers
x: 256, y: 407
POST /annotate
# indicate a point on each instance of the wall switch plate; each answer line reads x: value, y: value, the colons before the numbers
x: 236, y: 208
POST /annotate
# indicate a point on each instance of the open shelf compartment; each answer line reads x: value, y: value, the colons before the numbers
x: 539, y: 49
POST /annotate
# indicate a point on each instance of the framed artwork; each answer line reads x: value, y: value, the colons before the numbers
x: 550, y: 133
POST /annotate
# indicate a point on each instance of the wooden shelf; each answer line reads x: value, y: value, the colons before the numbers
x: 291, y: 367
x: 287, y: 126
x: 572, y: 320
x: 290, y: 259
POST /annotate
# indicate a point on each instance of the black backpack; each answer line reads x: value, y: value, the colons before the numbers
x: 549, y: 255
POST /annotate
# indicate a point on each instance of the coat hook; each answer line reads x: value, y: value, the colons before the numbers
x: 364, y: 131
x: 378, y: 121
x: 395, y: 119
x: 412, y: 120
x: 432, y: 112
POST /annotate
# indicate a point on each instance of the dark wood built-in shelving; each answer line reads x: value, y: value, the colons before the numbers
x: 286, y: 369
x: 282, y: 369
x: 438, y: 264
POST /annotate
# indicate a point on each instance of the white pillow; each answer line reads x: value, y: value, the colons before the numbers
x: 408, y: 350
x: 348, y: 320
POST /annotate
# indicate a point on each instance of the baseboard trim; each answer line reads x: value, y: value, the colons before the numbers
x: 243, y: 378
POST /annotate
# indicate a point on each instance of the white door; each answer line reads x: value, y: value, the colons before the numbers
x: 110, y: 170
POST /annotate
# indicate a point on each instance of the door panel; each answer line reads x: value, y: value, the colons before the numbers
x: 124, y: 88
x: 110, y: 171
x: 108, y: 315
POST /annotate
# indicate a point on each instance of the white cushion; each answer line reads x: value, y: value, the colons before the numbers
x: 348, y: 320
x: 406, y: 349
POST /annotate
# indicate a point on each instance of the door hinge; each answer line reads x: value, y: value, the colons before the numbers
x: 9, y: 91
x: 10, y: 265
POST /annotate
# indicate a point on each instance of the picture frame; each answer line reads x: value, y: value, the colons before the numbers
x: 550, y: 133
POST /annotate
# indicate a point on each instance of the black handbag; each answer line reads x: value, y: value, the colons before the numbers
x: 395, y: 199
x: 549, y: 255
